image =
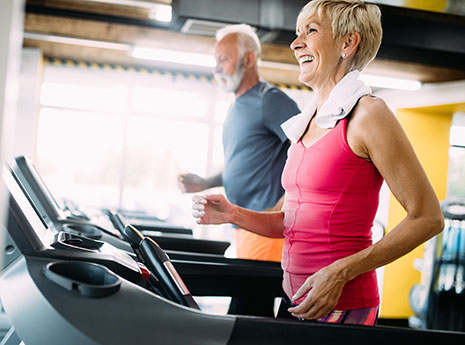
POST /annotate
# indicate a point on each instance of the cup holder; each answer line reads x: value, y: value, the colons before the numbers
x: 87, y: 230
x: 84, y: 278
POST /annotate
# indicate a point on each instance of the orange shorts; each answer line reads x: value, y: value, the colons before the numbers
x: 255, y: 247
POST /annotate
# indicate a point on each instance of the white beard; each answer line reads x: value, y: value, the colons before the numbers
x: 230, y: 83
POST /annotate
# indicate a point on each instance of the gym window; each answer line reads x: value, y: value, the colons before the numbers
x: 456, y: 170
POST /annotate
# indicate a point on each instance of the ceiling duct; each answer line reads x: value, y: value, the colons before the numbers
x: 238, y: 11
x: 201, y: 27
x: 273, y: 19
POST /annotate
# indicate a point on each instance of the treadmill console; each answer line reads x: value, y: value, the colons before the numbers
x: 24, y: 218
x: 49, y: 207
x: 35, y: 237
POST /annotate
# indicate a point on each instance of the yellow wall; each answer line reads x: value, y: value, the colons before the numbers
x: 428, y: 131
x: 427, y: 5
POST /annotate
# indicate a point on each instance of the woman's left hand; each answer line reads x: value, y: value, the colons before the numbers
x: 323, y: 291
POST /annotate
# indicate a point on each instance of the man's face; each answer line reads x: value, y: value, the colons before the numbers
x: 229, y: 70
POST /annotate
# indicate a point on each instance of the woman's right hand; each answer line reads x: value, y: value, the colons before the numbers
x: 212, y: 209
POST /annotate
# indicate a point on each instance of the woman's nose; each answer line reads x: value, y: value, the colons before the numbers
x: 296, y: 44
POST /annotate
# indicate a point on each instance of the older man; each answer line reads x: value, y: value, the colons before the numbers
x: 255, y: 147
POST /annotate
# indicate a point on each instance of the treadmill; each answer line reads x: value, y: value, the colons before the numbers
x: 61, y: 288
x: 169, y: 237
x: 208, y: 274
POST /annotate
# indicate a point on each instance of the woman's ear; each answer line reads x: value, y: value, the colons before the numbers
x: 350, y: 44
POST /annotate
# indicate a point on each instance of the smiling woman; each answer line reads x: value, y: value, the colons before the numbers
x: 356, y: 142
x: 309, y: 22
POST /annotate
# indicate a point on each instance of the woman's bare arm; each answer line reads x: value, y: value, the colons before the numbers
x: 384, y: 142
x: 215, y: 209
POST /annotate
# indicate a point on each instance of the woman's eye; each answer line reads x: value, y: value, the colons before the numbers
x: 311, y: 30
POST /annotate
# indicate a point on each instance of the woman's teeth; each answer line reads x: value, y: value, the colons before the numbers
x: 306, y: 58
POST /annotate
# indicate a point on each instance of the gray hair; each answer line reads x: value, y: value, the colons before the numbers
x: 247, y: 39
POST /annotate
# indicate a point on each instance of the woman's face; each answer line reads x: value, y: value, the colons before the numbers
x: 317, y: 52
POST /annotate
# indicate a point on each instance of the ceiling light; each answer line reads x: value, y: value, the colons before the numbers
x: 390, y: 83
x: 76, y: 41
x: 174, y: 56
x: 159, y: 12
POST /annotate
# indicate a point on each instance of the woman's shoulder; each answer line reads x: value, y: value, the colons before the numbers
x: 371, y: 120
x: 371, y: 110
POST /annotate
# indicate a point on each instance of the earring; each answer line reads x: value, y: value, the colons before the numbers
x: 343, y: 55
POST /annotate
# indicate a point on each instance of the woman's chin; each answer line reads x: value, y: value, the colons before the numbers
x: 305, y: 79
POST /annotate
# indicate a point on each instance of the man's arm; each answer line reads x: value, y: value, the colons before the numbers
x: 192, y: 183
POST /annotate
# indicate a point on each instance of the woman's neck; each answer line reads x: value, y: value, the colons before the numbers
x: 323, y: 90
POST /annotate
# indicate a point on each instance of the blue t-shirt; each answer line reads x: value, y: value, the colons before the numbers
x: 255, y: 147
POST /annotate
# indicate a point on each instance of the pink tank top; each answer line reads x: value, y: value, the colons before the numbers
x: 331, y: 201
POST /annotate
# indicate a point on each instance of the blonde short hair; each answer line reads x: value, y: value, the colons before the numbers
x: 247, y: 39
x: 349, y: 16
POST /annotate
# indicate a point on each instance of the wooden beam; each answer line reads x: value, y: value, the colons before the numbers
x: 158, y: 38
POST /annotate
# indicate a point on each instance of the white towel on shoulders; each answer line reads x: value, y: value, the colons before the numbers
x: 338, y: 105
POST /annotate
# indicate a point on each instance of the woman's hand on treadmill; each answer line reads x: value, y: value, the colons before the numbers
x: 212, y: 209
x: 323, y: 290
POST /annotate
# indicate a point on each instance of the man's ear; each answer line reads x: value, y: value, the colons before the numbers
x: 249, y: 59
x: 350, y: 44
